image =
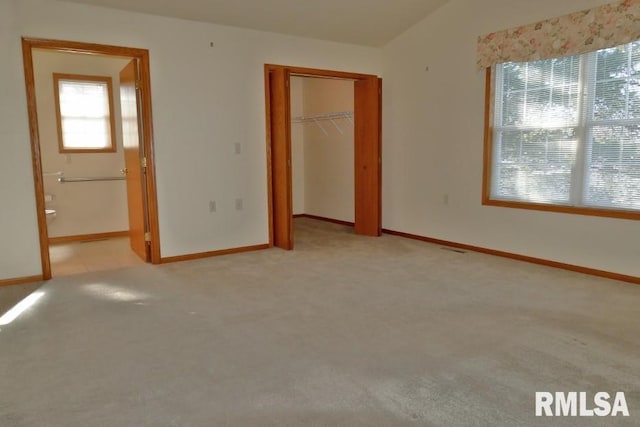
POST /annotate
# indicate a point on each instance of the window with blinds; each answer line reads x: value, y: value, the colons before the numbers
x: 566, y: 131
x: 84, y: 107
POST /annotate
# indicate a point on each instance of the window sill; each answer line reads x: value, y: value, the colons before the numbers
x: 87, y: 150
x: 608, y: 213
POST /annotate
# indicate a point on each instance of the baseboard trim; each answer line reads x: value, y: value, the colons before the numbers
x: 525, y: 258
x: 325, y: 219
x: 21, y: 280
x: 201, y: 255
x: 87, y: 237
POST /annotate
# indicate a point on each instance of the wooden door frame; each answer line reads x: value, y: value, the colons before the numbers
x: 279, y: 159
x: 364, y: 132
x: 142, y: 55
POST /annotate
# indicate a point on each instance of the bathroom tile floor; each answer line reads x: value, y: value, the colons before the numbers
x: 96, y: 255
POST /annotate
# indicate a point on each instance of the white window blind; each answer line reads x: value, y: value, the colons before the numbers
x: 567, y: 130
x: 85, y: 119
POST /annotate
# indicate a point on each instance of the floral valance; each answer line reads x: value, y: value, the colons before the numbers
x: 598, y: 28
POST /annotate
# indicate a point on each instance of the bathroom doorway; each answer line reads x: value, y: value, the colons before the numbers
x: 95, y: 183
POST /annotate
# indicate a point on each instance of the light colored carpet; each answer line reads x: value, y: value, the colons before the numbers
x: 343, y: 331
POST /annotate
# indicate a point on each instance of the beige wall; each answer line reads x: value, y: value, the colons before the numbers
x: 88, y: 207
x: 433, y: 145
x: 19, y: 248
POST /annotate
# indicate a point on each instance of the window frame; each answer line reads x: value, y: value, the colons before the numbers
x: 112, y: 148
x: 489, y: 116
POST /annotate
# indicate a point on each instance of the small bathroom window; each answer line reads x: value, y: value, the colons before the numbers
x: 84, y: 106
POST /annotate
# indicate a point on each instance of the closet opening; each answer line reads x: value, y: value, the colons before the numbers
x: 90, y: 123
x: 324, y: 159
x: 322, y: 154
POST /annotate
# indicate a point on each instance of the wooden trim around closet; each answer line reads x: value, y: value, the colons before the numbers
x: 367, y: 149
x: 279, y: 160
x: 329, y: 74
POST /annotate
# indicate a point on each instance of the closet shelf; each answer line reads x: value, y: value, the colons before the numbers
x: 332, y: 117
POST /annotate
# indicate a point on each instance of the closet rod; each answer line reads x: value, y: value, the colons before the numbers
x: 332, y: 117
x: 326, y: 116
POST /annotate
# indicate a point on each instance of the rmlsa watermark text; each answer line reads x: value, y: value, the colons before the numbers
x: 580, y: 404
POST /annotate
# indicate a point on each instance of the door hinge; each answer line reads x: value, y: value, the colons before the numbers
x: 138, y: 85
x: 143, y: 162
x: 147, y: 236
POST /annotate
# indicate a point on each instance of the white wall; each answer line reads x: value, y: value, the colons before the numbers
x: 87, y: 207
x: 297, y: 145
x: 433, y: 143
x: 19, y: 247
x: 329, y: 158
x: 205, y: 99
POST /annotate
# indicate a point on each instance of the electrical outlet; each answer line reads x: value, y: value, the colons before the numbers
x: 212, y: 206
x: 445, y: 199
x: 238, y: 204
x: 237, y: 147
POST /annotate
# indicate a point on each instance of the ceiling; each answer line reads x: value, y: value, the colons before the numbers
x: 362, y: 22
